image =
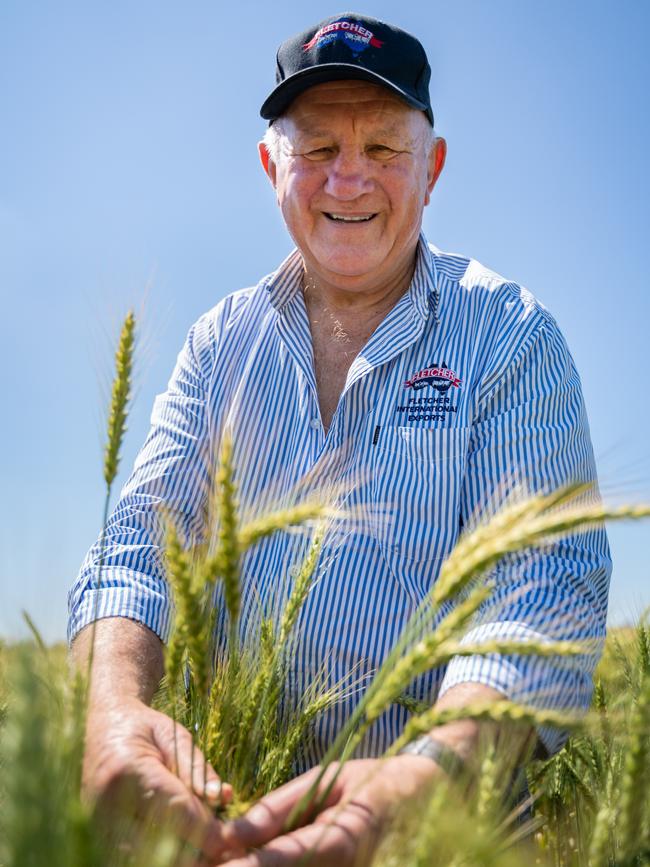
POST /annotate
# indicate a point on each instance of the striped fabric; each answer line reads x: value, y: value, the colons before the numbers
x: 465, y: 395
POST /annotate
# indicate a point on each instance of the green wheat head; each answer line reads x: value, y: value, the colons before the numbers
x: 120, y: 395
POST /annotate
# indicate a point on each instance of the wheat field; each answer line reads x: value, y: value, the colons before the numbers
x: 587, y: 805
x: 590, y: 802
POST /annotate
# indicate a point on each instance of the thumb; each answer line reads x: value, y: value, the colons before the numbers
x: 267, y: 818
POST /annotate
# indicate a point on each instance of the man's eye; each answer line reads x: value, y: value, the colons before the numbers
x: 381, y: 151
x: 319, y: 153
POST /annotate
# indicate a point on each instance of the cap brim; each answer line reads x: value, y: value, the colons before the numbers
x: 284, y: 94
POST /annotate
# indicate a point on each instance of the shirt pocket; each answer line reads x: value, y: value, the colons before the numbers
x: 416, y: 486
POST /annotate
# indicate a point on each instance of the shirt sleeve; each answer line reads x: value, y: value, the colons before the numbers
x: 531, y: 432
x: 124, y: 575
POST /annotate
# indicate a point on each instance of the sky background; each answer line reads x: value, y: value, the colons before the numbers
x: 129, y: 177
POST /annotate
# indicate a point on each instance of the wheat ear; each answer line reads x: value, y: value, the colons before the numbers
x: 227, y: 556
x: 277, y: 765
x: 261, y: 711
x: 120, y: 394
x: 300, y: 587
x: 636, y: 777
x: 496, y: 711
x: 119, y: 398
x: 600, y: 847
x: 282, y: 519
x: 416, y: 660
x: 643, y: 652
x: 518, y: 528
x: 488, y: 798
x: 190, y: 631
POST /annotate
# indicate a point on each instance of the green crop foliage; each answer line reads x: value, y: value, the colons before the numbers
x: 588, y: 805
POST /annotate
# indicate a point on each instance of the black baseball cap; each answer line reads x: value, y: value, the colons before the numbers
x: 354, y: 46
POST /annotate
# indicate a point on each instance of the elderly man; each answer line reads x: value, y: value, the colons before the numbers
x: 367, y: 350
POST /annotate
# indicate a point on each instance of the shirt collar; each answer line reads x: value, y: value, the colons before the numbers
x: 286, y: 280
x: 422, y: 291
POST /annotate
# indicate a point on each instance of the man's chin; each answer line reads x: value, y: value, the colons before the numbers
x: 350, y: 266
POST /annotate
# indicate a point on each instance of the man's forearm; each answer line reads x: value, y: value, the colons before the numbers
x: 128, y: 660
x: 466, y: 736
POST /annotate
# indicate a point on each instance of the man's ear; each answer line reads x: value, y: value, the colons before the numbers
x: 267, y: 162
x: 437, y: 156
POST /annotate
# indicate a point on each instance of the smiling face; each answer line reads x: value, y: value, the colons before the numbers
x: 353, y: 172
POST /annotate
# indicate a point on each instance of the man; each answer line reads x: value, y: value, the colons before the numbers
x: 368, y: 349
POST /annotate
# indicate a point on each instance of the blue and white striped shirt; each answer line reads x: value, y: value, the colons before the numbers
x: 465, y: 390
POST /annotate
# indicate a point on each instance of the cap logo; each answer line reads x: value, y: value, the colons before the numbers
x: 356, y: 37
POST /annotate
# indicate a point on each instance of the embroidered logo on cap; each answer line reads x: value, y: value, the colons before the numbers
x: 356, y: 37
x: 440, y: 377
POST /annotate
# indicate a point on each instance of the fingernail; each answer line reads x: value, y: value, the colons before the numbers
x: 213, y: 789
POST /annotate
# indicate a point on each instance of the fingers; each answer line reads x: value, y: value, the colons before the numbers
x: 342, y: 841
x: 186, y: 760
x: 169, y: 803
x: 344, y: 833
x: 268, y: 817
x: 146, y: 794
x: 132, y: 753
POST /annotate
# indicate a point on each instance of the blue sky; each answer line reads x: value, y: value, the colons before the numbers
x: 129, y: 177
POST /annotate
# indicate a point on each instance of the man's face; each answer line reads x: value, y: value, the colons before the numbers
x: 354, y: 173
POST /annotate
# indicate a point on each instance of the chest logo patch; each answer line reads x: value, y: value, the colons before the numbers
x: 441, y: 377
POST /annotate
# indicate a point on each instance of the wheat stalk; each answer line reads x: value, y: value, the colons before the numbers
x: 516, y: 527
x: 259, y: 717
x: 417, y: 659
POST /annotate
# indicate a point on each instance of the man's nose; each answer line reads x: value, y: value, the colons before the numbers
x: 348, y: 176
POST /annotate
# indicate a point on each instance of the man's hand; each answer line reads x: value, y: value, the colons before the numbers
x: 364, y: 797
x: 137, y: 761
x: 130, y: 768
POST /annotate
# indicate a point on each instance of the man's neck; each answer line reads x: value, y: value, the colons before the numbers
x: 357, y: 302
x: 341, y: 323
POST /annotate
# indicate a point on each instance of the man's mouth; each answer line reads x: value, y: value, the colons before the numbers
x: 349, y: 218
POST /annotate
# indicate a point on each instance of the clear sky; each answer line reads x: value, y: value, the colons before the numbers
x: 129, y: 176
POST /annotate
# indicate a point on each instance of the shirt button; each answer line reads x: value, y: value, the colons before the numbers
x: 315, y: 423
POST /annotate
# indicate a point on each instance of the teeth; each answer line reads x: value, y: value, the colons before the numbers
x: 345, y: 219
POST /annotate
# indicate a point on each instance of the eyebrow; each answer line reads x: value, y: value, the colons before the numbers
x: 313, y: 131
x: 385, y: 132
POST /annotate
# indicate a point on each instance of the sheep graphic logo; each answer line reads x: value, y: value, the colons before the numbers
x: 441, y: 377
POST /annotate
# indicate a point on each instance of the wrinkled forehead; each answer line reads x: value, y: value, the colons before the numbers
x: 359, y: 100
